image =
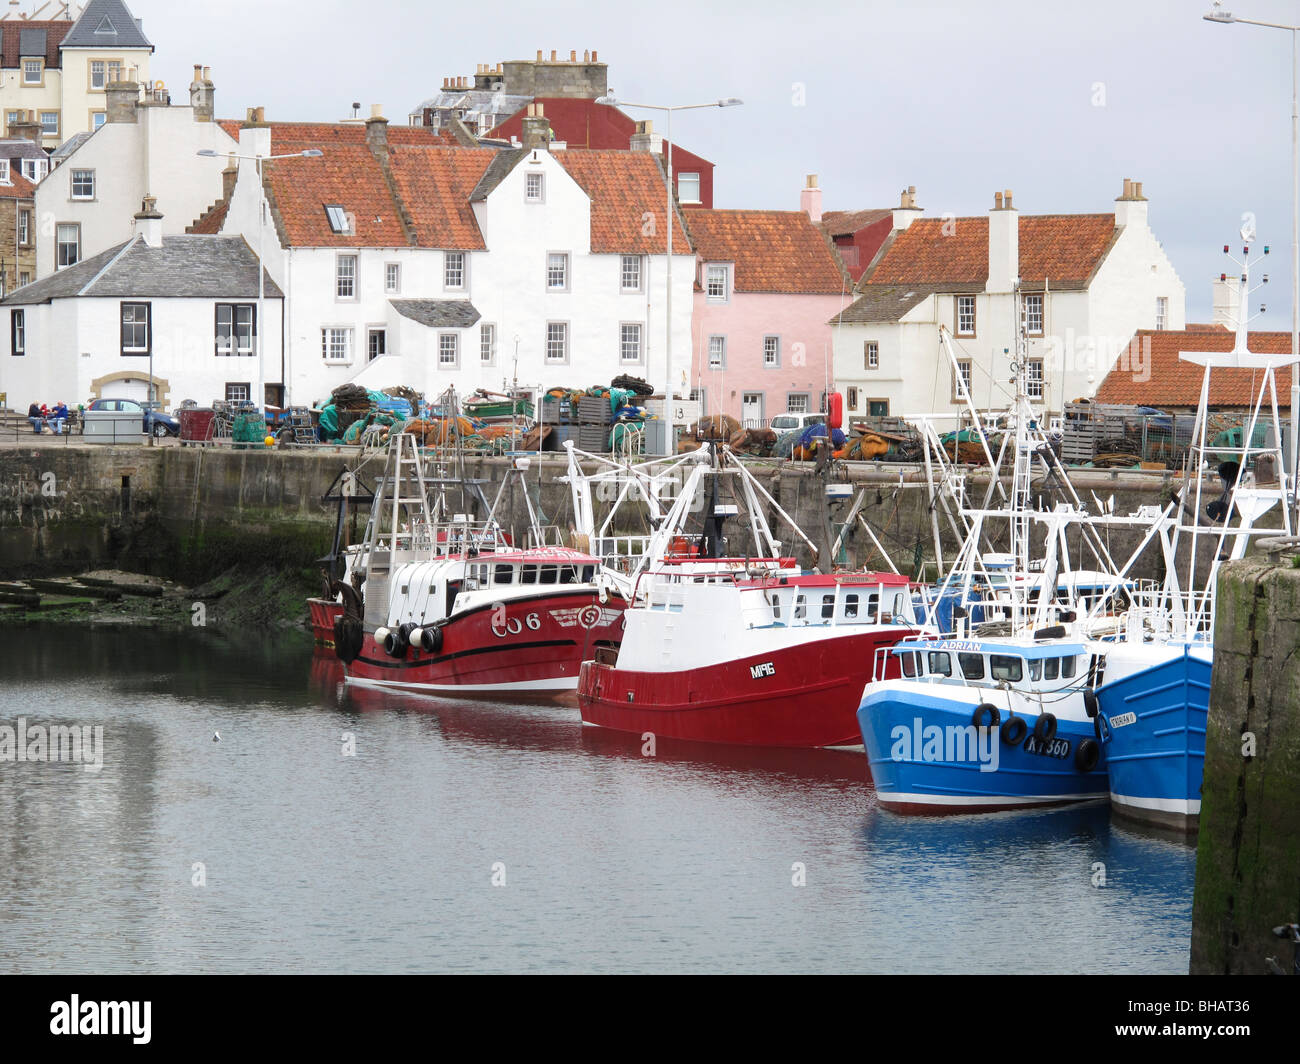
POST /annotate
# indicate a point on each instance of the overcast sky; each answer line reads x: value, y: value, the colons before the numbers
x: 1058, y: 101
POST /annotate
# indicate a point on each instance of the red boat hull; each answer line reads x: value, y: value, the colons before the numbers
x: 805, y: 695
x: 532, y: 647
x: 323, y: 614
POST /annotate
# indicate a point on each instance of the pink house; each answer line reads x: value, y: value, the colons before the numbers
x: 767, y: 285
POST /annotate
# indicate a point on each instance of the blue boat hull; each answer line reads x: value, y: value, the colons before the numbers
x: 920, y: 770
x: 1156, y: 748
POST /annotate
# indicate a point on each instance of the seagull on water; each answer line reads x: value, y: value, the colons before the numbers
x: 216, y: 736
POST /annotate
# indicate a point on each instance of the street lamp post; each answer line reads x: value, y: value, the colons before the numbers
x: 259, y: 387
x: 610, y: 100
x: 1217, y: 14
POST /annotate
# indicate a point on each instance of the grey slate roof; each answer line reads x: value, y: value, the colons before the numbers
x: 70, y: 145
x: 496, y: 172
x: 127, y: 32
x: 438, y: 313
x: 32, y: 43
x: 881, y: 303
x: 21, y: 148
x: 185, y: 267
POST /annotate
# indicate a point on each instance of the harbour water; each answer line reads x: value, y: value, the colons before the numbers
x: 333, y: 829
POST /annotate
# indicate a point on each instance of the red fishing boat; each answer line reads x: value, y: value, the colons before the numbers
x: 447, y: 606
x: 750, y: 650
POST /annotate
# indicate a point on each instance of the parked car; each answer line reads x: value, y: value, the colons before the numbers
x: 789, y: 421
x: 154, y: 422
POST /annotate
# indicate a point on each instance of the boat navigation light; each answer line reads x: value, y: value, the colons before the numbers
x: 1225, y: 249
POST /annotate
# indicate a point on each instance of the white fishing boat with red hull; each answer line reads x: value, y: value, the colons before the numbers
x: 448, y: 607
x: 777, y: 659
x: 751, y: 651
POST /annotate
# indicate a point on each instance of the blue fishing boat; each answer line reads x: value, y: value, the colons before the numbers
x: 980, y: 725
x: 1154, y: 700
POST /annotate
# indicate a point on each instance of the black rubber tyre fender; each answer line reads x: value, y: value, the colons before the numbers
x: 1045, y: 727
x: 1090, y: 703
x: 986, y: 715
x: 1087, y: 754
x: 348, y: 638
x: 1014, y: 730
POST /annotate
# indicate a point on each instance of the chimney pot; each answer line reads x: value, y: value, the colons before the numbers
x: 593, y: 55
x: 376, y: 110
x: 207, y: 73
x: 997, y: 201
x: 552, y: 55
x: 810, y: 181
x: 1137, y: 190
x: 586, y: 56
x: 573, y: 55
x: 1006, y: 199
x: 539, y: 55
x: 198, y: 71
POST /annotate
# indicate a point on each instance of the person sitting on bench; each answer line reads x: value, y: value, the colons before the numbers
x: 35, y: 417
x: 59, y: 417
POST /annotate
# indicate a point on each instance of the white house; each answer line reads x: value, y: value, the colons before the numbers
x: 145, y: 149
x: 176, y: 310
x: 407, y: 259
x: 1088, y: 283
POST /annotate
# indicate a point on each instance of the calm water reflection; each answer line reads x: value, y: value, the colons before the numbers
x: 383, y: 861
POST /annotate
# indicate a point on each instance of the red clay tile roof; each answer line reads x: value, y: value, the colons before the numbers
x: 1063, y: 249
x: 210, y: 223
x: 12, y: 30
x: 18, y: 188
x: 435, y: 183
x: 348, y: 175
x: 624, y: 186
x: 1175, y: 383
x: 773, y: 251
x: 842, y: 223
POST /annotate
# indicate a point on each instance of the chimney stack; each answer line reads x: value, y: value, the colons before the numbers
x: 228, y: 178
x: 810, y: 199
x: 907, y: 211
x: 1004, y: 244
x: 203, y: 95
x: 1227, y: 302
x: 148, y: 222
x: 377, y: 129
x: 645, y: 138
x: 123, y: 100
x: 27, y: 127
x: 536, y: 132
x: 1131, y: 205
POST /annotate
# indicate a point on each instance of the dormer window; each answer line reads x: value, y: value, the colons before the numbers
x: 715, y: 284
x: 338, y: 219
x: 106, y: 27
x: 688, y: 188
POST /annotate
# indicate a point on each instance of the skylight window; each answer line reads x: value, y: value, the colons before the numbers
x: 338, y: 218
x: 106, y: 26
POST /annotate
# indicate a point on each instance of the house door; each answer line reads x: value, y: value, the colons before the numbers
x: 751, y: 410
